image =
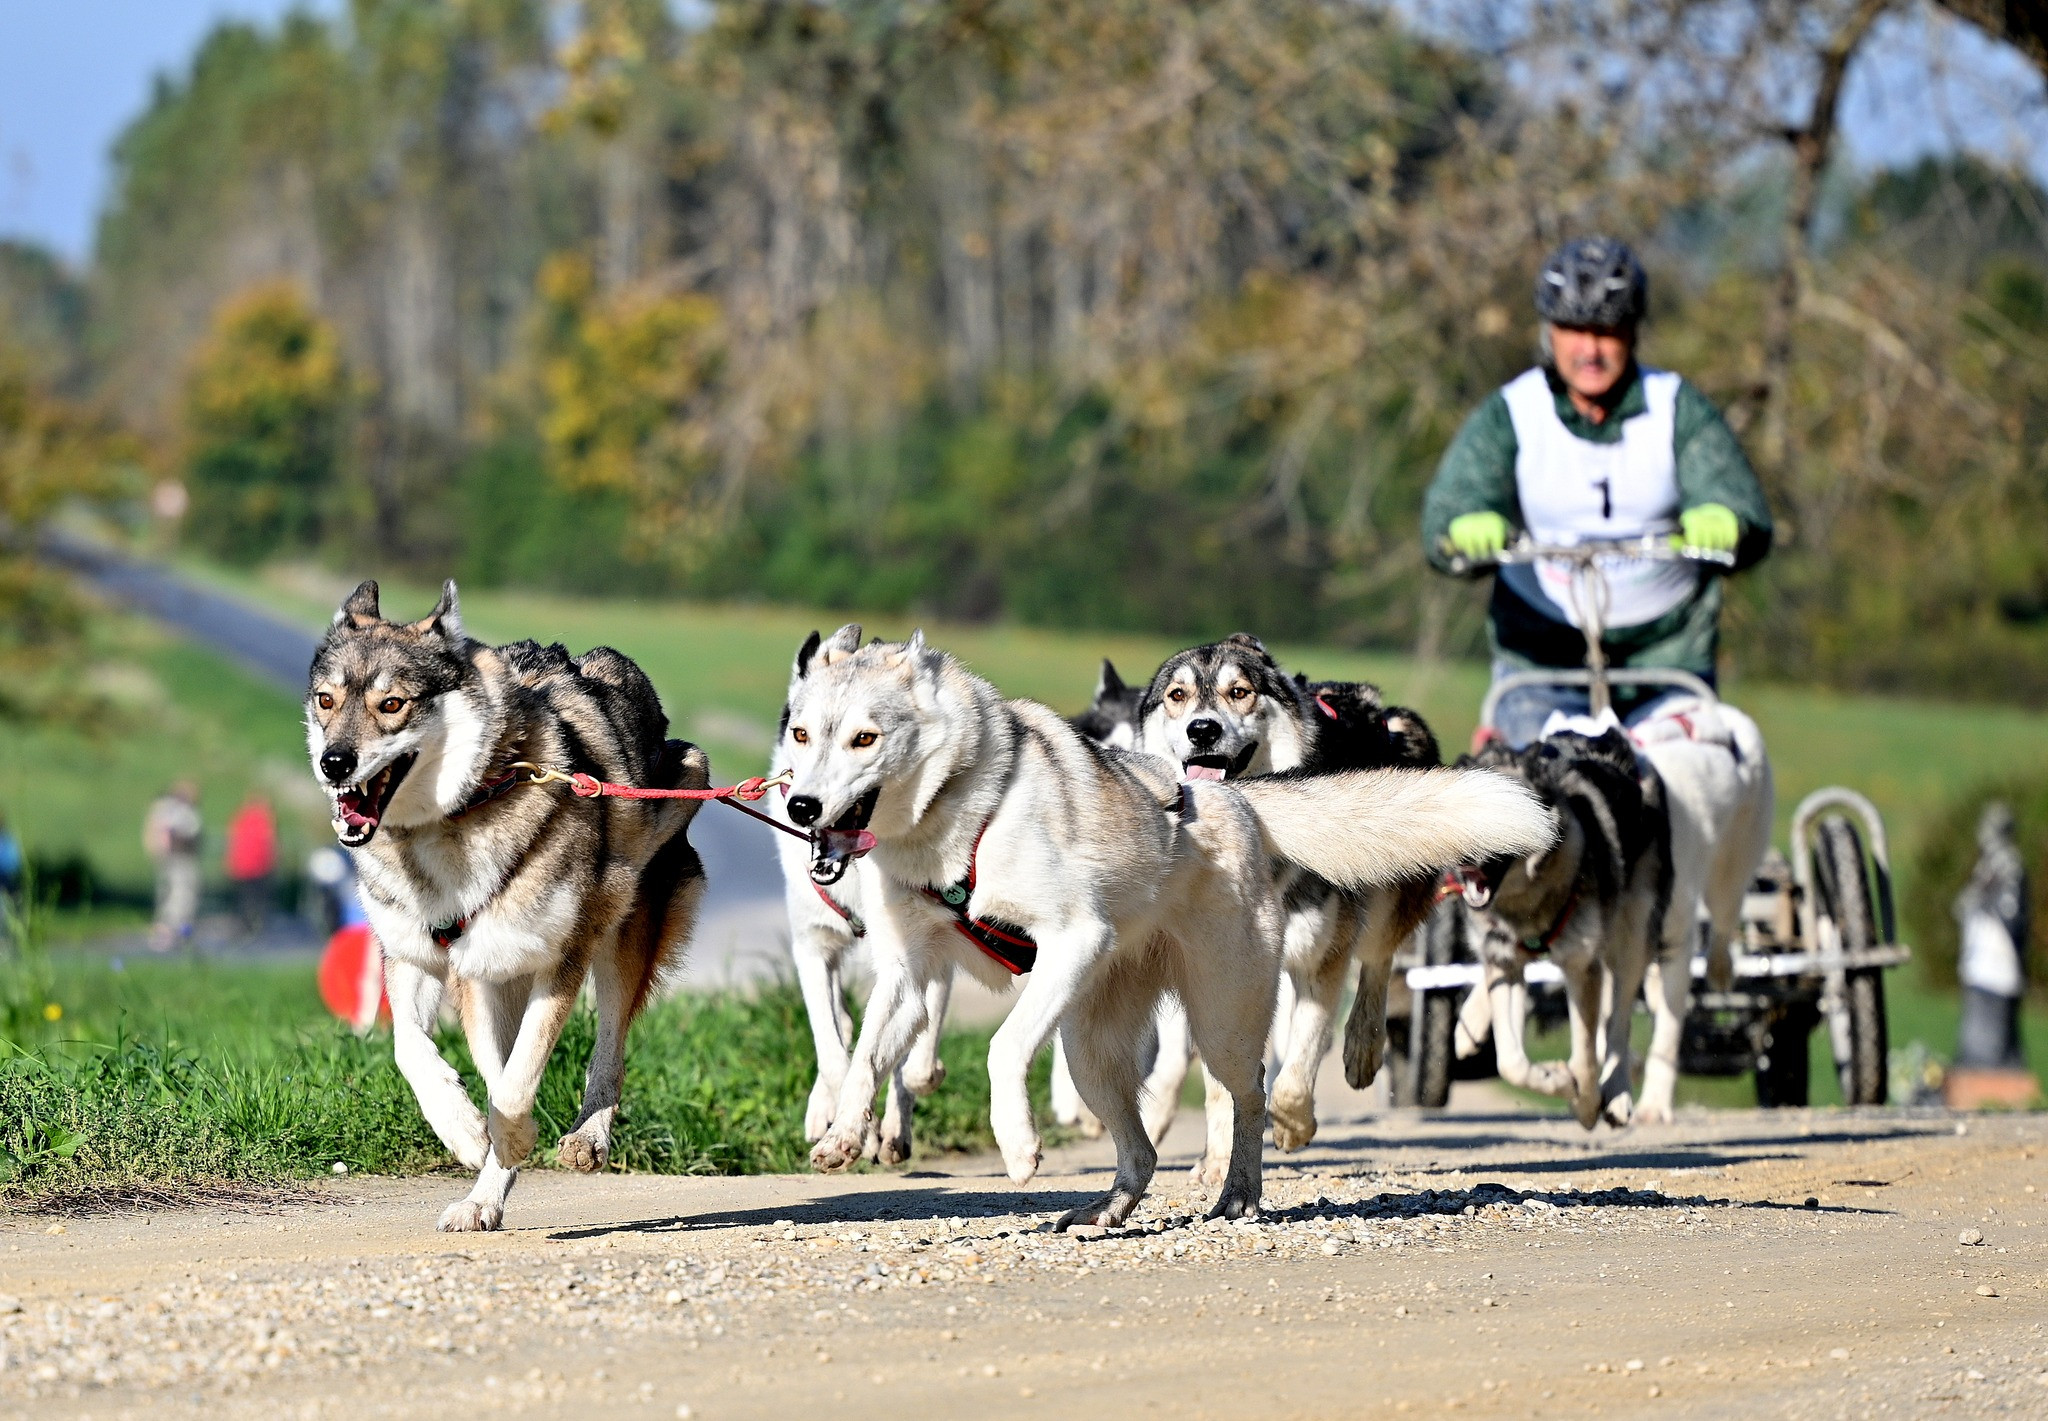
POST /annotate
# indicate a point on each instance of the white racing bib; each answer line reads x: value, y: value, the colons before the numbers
x: 1572, y: 489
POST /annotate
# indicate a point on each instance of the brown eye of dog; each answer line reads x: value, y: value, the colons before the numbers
x: 800, y: 735
x: 1238, y: 693
x: 1177, y: 695
x: 326, y: 701
x: 391, y: 705
x: 864, y: 739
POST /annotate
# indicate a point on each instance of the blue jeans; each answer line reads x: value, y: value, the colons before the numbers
x: 1521, y: 713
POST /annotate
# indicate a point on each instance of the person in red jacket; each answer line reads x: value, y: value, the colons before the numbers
x: 251, y: 859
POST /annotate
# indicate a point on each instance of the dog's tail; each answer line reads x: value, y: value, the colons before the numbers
x: 1369, y: 828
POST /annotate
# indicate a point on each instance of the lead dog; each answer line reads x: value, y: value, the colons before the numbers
x: 1227, y: 711
x: 502, y: 894
x: 998, y: 831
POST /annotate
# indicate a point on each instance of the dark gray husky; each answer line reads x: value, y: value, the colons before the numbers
x: 498, y: 891
x: 1591, y: 902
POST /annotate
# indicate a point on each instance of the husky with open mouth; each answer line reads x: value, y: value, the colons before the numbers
x: 496, y: 891
x: 826, y: 921
x: 1226, y: 711
x: 1005, y: 841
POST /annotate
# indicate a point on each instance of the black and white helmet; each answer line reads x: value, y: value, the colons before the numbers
x: 1592, y: 281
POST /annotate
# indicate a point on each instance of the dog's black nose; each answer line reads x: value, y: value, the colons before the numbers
x: 804, y: 810
x: 338, y: 765
x: 1204, y: 733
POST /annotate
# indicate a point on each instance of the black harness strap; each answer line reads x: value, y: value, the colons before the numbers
x: 1009, y: 947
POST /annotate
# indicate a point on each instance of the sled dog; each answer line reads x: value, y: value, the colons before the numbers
x: 1589, y: 903
x: 824, y: 925
x: 1000, y: 839
x: 1227, y: 711
x: 502, y: 894
x: 1708, y: 800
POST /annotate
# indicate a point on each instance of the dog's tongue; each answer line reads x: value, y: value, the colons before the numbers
x: 1203, y: 772
x: 348, y: 807
x: 848, y: 843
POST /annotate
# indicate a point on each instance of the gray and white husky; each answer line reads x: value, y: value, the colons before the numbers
x: 826, y: 923
x: 997, y: 832
x: 497, y: 892
x: 1227, y: 711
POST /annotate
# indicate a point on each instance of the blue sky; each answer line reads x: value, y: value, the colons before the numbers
x: 74, y: 72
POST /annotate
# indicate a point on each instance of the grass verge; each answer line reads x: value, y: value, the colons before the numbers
x: 164, y: 1077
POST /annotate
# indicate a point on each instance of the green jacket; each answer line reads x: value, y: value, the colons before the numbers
x: 1477, y: 474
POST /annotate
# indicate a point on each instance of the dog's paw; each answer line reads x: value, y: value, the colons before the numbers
x: 1652, y: 1112
x: 837, y: 1151
x: 1293, y: 1116
x: 472, y: 1146
x: 467, y: 1216
x: 1720, y: 968
x: 1108, y: 1212
x: 1363, y: 1049
x: 1207, y: 1173
x: 583, y: 1154
x: 1586, y: 1108
x: 923, y: 1083
x: 1021, y: 1158
x: 1236, y: 1204
x: 512, y: 1140
x: 1618, y: 1111
x: 818, y: 1112
x: 871, y: 1144
x: 1552, y: 1078
x: 893, y: 1147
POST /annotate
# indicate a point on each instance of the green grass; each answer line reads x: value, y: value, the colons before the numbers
x: 164, y: 1076
x: 172, y: 710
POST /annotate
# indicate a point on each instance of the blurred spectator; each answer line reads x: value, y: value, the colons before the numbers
x: 251, y: 860
x: 332, y: 875
x: 12, y: 873
x: 1993, y: 911
x: 171, y: 832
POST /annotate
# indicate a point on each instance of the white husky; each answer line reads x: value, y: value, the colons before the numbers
x: 1002, y: 839
x: 1719, y: 789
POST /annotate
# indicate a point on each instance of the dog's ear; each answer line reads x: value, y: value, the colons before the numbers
x: 1301, y: 680
x: 446, y: 619
x: 1247, y: 641
x: 840, y: 645
x: 805, y: 652
x: 1108, y: 684
x: 359, y: 608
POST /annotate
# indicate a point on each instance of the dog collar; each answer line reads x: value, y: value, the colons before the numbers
x: 1549, y: 938
x: 853, y: 919
x: 1009, y: 947
x: 486, y: 792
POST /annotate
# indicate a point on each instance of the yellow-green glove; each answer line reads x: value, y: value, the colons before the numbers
x: 1479, y: 537
x: 1712, y: 526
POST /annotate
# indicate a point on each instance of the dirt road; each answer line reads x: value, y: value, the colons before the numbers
x: 1483, y: 1261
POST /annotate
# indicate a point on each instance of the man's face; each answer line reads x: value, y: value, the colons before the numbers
x: 1590, y: 359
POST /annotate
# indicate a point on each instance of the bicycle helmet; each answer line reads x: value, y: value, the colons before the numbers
x: 1592, y: 281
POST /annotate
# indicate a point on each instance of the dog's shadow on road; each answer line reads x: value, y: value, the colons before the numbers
x: 893, y: 1206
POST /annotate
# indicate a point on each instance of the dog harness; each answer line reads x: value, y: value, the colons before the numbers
x: 1008, y: 947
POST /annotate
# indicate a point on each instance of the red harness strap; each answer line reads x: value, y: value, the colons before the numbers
x: 853, y: 922
x: 1009, y: 947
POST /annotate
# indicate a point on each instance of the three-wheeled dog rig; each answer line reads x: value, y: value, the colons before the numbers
x: 1819, y: 930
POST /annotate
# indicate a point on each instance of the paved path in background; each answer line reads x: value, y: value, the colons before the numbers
x: 742, y: 935
x: 1490, y: 1263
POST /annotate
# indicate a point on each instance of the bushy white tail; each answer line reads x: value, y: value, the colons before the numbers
x: 1369, y: 828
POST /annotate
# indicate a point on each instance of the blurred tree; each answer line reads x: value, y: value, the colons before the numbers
x: 263, y: 414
